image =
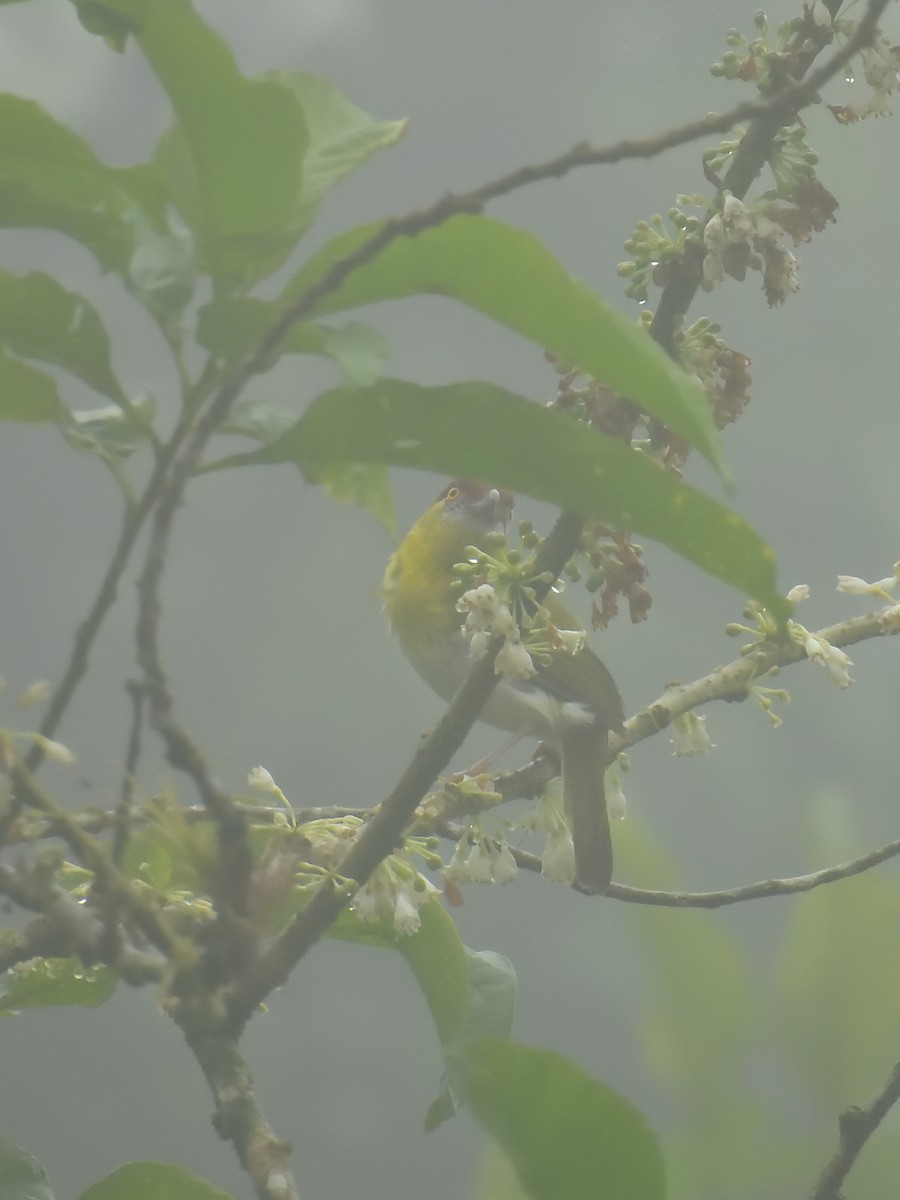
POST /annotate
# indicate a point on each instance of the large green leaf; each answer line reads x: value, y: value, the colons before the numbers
x: 26, y: 394
x: 22, y: 1177
x: 51, y: 179
x: 568, y: 1135
x: 40, y: 319
x: 485, y: 432
x: 234, y: 157
x: 53, y: 982
x: 152, y: 1181
x: 511, y: 276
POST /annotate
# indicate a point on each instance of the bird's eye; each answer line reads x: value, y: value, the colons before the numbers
x: 452, y: 493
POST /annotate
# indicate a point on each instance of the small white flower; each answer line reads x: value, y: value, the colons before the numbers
x: 478, y: 864
x: 571, y: 640
x: 514, y: 661
x: 615, y: 797
x: 503, y: 865
x: 55, y: 750
x: 406, y: 914
x: 800, y: 591
x: 881, y: 62
x: 689, y: 735
x: 504, y: 623
x: 480, y: 604
x: 558, y: 857
x: 261, y: 781
x: 456, y: 869
x: 35, y: 693
x: 377, y: 897
x: 736, y: 218
x: 478, y: 643
x: 854, y: 586
x: 832, y: 658
x: 820, y: 15
x: 714, y: 234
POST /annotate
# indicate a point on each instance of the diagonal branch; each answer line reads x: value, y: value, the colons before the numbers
x: 856, y: 1127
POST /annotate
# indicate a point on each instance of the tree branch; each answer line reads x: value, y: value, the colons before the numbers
x: 856, y: 1126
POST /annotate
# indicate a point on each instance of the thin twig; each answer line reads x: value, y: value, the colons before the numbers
x: 856, y: 1126
x: 762, y: 890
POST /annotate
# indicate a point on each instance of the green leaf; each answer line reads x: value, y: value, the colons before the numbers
x: 365, y: 485
x: 234, y: 158
x: 566, y: 1134
x: 341, y: 136
x: 485, y: 432
x: 52, y: 982
x: 492, y: 979
x: 41, y: 319
x: 27, y: 394
x: 153, y: 1181
x: 51, y: 179
x: 492, y: 1006
x: 22, y: 1177
x: 511, y: 276
x: 839, y: 980
x: 161, y: 272
x: 231, y: 327
x: 111, y: 430
x: 435, y: 954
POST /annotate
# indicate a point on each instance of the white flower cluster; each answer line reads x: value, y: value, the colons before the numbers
x: 396, y: 891
x: 881, y: 68
x: 481, y: 860
x: 487, y: 616
x: 743, y: 238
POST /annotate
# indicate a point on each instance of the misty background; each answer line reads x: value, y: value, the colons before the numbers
x: 272, y: 626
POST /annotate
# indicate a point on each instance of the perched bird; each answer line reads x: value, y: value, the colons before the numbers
x: 571, y: 702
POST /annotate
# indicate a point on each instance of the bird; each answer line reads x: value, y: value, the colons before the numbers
x: 571, y: 701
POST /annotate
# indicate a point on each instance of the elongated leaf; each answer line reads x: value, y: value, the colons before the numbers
x: 26, y: 394
x: 341, y: 136
x: 54, y: 982
x: 485, y: 432
x: 511, y: 276
x: 234, y: 158
x: 153, y: 1181
x: 51, y: 179
x: 566, y: 1134
x: 40, y: 319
